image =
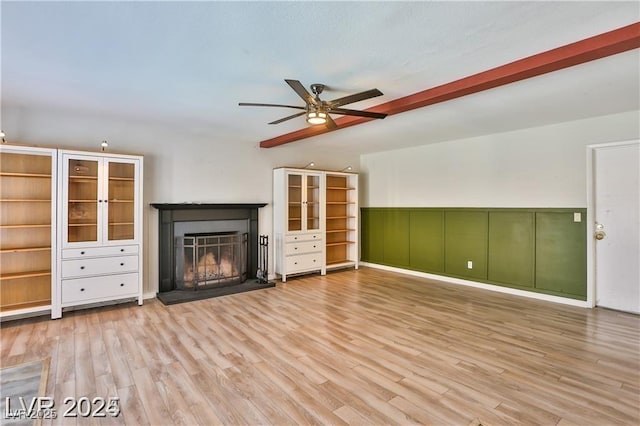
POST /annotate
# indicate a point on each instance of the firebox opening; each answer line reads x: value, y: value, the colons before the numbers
x: 208, y: 260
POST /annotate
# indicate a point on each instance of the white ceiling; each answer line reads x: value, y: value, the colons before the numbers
x: 190, y: 63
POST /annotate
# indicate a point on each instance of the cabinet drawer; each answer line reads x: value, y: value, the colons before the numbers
x: 302, y: 248
x: 100, y: 265
x: 304, y: 262
x: 302, y: 237
x: 98, y: 251
x: 99, y: 288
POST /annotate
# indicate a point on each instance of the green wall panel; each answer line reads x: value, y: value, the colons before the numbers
x: 466, y: 240
x: 372, y: 235
x: 396, y: 237
x: 540, y: 250
x: 426, y: 245
x: 511, y: 248
x: 561, y: 258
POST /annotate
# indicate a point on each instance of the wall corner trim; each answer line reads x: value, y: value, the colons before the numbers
x: 149, y: 295
x: 490, y: 287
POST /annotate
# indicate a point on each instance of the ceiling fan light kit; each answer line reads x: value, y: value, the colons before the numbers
x: 316, y: 111
x: 316, y: 117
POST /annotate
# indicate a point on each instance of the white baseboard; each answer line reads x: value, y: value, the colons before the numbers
x: 484, y: 286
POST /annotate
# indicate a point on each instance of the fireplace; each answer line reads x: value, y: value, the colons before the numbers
x: 207, y: 250
x: 211, y: 260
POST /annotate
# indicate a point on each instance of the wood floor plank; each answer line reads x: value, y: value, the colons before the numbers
x: 129, y: 346
x: 116, y: 358
x: 285, y: 388
x: 84, y: 375
x: 482, y: 415
x: 68, y: 390
x: 414, y: 395
x: 179, y: 409
x: 148, y: 393
x: 132, y: 411
x: 351, y: 416
x: 20, y: 344
x: 65, y: 365
x: 352, y: 347
x: 106, y: 389
x: 417, y: 412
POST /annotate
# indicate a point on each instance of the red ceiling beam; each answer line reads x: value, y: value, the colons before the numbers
x: 589, y: 49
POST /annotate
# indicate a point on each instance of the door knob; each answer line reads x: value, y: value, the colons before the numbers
x: 600, y: 235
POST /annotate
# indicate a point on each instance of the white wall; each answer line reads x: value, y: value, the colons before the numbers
x: 179, y: 165
x: 536, y: 167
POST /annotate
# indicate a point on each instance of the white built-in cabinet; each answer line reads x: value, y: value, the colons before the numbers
x: 70, y: 229
x: 99, y: 229
x: 315, y: 220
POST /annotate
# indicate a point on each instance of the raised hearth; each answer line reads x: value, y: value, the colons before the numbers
x: 179, y: 222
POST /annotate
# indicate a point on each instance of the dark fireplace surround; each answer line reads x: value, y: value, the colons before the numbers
x: 173, y: 214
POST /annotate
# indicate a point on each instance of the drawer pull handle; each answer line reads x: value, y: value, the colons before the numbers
x: 295, y: 263
x: 82, y: 289
x: 295, y: 248
x: 82, y: 267
x: 314, y: 246
x: 121, y: 284
x: 81, y: 252
x: 121, y: 264
x: 121, y: 249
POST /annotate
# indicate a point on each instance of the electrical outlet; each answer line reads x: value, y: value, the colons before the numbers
x: 577, y: 217
x: 469, y: 264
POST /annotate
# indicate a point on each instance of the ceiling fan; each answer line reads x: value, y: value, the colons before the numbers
x: 317, y: 111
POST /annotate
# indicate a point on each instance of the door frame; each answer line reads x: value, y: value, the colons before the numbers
x: 591, y: 205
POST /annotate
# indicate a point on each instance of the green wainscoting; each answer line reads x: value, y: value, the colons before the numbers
x: 465, y: 240
x: 426, y: 240
x: 371, y: 234
x: 560, y: 247
x: 512, y: 248
x: 396, y: 238
x: 539, y: 250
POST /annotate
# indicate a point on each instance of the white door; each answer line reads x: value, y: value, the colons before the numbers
x: 617, y: 226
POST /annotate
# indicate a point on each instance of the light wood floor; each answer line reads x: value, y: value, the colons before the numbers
x: 355, y: 347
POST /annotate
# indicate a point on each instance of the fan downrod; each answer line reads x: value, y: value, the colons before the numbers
x: 317, y: 88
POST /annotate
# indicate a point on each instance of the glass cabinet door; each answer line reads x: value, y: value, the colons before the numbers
x: 312, y: 202
x: 294, y: 209
x: 303, y: 209
x: 120, y: 201
x: 82, y: 208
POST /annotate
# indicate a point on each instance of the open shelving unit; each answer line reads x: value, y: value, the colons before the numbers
x: 341, y: 207
x: 27, y: 215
